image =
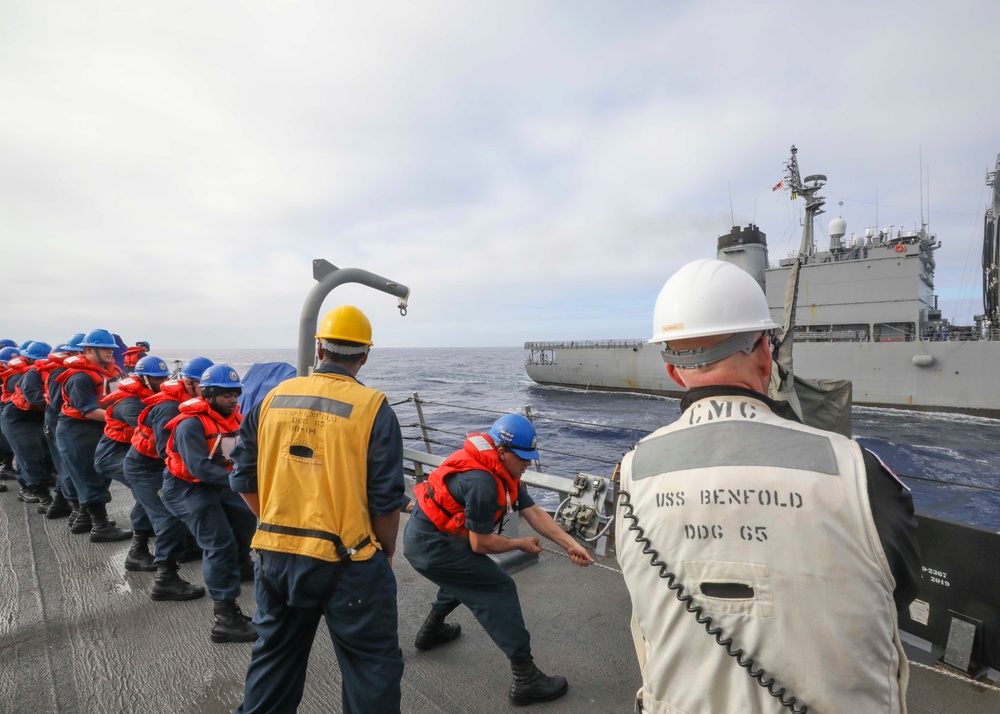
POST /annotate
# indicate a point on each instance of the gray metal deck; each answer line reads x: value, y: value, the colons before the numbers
x: 79, y: 634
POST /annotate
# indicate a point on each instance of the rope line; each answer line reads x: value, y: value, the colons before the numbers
x: 951, y: 483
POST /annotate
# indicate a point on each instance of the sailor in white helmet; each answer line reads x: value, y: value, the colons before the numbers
x: 794, y: 542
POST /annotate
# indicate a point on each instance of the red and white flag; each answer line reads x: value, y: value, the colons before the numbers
x: 780, y: 184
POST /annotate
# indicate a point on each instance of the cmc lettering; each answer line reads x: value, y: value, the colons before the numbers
x: 711, y: 410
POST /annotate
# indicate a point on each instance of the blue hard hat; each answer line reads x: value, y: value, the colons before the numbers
x: 7, y: 343
x: 8, y: 353
x: 195, y: 367
x: 142, y: 343
x: 38, y: 350
x: 24, y: 345
x: 73, y: 343
x: 99, y: 338
x: 222, y: 377
x: 517, y: 434
x: 151, y: 366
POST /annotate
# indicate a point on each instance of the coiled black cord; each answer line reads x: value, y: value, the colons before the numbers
x: 742, y: 659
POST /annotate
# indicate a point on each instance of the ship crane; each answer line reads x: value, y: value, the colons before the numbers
x: 807, y: 188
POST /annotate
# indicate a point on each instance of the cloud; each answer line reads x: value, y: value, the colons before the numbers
x: 531, y: 171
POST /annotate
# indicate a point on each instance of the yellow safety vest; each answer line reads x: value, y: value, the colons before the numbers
x: 312, y: 470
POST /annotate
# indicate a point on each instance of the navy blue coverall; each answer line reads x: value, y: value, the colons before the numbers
x: 78, y: 439
x: 145, y: 476
x: 6, y: 451
x: 220, y: 520
x: 463, y: 576
x: 25, y: 430
x: 63, y: 482
x: 110, y: 455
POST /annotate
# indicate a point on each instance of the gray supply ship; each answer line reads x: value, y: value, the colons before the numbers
x: 866, y: 312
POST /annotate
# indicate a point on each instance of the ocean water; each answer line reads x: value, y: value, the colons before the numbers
x: 950, y: 461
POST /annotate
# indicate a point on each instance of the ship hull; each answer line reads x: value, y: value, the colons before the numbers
x: 934, y: 376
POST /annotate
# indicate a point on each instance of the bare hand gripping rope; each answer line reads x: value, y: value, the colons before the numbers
x: 741, y: 658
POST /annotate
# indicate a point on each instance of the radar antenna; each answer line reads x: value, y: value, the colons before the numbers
x: 991, y: 252
x: 808, y: 188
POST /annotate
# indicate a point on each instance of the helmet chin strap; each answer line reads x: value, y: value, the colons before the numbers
x: 687, y: 359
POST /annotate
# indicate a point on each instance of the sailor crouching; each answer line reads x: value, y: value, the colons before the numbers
x: 793, y: 541
x: 455, y: 524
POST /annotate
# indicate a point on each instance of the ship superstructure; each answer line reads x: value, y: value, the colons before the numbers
x: 866, y: 311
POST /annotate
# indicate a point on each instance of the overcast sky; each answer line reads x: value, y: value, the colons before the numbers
x: 531, y: 170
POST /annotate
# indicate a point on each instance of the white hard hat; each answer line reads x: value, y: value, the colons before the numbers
x: 709, y: 297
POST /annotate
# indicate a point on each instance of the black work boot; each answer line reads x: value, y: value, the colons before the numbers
x: 171, y: 586
x: 231, y: 625
x: 44, y: 499
x: 103, y: 530
x: 139, y: 557
x: 75, y: 514
x: 435, y: 631
x: 27, y: 494
x: 59, y: 508
x: 530, y: 685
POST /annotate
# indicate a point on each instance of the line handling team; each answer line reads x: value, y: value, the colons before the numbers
x: 312, y: 480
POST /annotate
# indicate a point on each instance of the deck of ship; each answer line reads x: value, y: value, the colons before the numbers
x: 79, y: 634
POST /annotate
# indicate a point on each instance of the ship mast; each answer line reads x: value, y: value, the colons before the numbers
x: 808, y: 188
x: 991, y: 252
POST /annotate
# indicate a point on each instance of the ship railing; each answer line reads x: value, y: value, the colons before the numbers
x: 831, y: 335
x: 570, y: 344
x: 554, y: 471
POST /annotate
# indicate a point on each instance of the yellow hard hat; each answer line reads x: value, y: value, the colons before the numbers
x: 345, y: 323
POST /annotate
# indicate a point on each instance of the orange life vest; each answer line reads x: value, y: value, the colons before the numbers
x: 101, y: 376
x: 215, y: 425
x: 133, y: 355
x: 478, y: 454
x: 17, y: 397
x: 46, y: 367
x: 17, y: 365
x: 143, y: 439
x: 115, y: 428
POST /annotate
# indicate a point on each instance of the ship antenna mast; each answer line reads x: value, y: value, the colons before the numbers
x: 808, y: 188
x: 991, y: 252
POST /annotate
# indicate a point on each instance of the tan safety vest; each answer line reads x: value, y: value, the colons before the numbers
x: 767, y: 526
x: 312, y: 470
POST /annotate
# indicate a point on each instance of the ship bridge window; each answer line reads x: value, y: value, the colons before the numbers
x: 894, y: 332
x: 851, y: 332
